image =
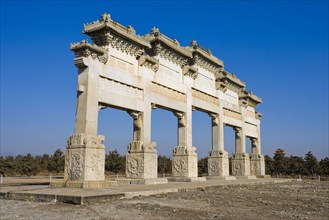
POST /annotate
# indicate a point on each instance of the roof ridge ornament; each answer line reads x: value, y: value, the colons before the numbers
x: 194, y: 44
x: 155, y: 31
x: 105, y: 17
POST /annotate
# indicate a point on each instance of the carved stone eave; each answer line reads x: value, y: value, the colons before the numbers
x: 205, y: 53
x: 150, y: 62
x: 226, y: 80
x: 204, y: 58
x: 249, y: 98
x: 156, y: 37
x: 106, y: 27
x: 258, y: 115
x: 190, y: 71
x: 85, y: 49
x: 167, y: 48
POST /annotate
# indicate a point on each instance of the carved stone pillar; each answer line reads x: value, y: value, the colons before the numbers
x: 218, y: 164
x: 185, y: 162
x: 85, y: 153
x: 84, y: 159
x: 240, y: 159
x: 141, y: 158
x: 257, y: 163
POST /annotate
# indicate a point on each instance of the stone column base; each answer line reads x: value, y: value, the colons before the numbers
x: 83, y: 184
x: 84, y: 159
x: 184, y: 162
x: 186, y: 179
x: 141, y: 181
x: 240, y: 164
x: 142, y: 161
x: 257, y: 165
x: 218, y: 164
x: 220, y: 177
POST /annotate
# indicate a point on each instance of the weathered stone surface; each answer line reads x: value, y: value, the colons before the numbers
x: 184, y: 162
x: 218, y: 164
x: 84, y: 158
x: 141, y: 161
x: 240, y: 164
x: 124, y: 70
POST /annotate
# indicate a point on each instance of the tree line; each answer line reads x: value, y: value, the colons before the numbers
x: 115, y: 163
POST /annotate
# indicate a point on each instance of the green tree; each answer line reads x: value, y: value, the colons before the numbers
x: 43, y: 161
x: 296, y: 166
x: 164, y: 165
x: 203, y: 166
x: 27, y: 165
x: 324, y: 166
x: 311, y: 163
x: 279, y: 162
x: 56, y: 162
x: 9, y: 166
x: 114, y: 162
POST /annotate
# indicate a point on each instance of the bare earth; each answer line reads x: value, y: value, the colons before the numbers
x: 292, y: 200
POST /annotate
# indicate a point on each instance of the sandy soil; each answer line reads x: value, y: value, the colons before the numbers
x: 294, y: 200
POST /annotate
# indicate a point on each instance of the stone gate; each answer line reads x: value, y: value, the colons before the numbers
x: 135, y: 73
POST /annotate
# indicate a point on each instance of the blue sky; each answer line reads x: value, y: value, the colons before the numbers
x: 278, y: 48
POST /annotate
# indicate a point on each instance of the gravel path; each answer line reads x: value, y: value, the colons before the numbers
x: 292, y: 200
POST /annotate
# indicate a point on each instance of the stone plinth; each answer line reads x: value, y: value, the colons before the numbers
x: 83, y: 184
x: 84, y: 158
x: 84, y: 163
x: 184, y: 162
x: 218, y: 164
x: 257, y: 165
x: 240, y: 164
x: 141, y: 181
x: 141, y: 161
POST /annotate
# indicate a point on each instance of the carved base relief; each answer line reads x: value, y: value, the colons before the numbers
x: 240, y: 164
x: 185, y: 162
x: 257, y: 165
x: 141, y: 160
x: 218, y: 165
x: 85, y: 158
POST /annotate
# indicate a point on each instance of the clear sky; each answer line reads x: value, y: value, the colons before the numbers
x: 278, y: 48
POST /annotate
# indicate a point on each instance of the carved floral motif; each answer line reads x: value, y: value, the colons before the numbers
x: 84, y: 49
x: 168, y: 92
x: 214, y: 168
x: 126, y: 46
x: 237, y: 168
x: 95, y: 164
x: 205, y: 97
x: 135, y: 166
x: 180, y: 166
x: 255, y: 168
x: 74, y: 166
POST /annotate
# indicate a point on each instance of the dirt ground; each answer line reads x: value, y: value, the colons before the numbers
x: 292, y: 200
